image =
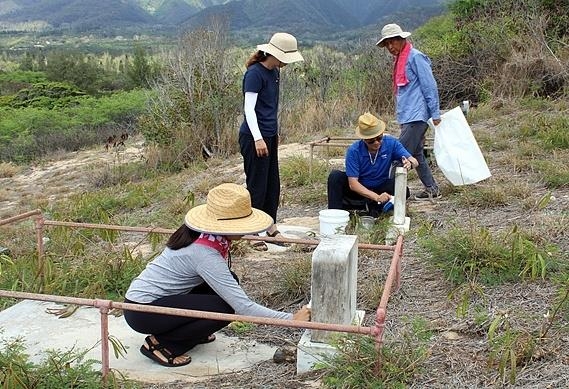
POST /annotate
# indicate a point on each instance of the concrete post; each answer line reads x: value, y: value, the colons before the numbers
x: 400, y: 223
x: 334, y: 286
x: 334, y: 282
x: 400, y: 194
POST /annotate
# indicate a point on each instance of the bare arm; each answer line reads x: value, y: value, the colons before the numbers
x: 357, y: 187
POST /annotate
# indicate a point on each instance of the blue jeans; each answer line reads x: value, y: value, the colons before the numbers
x: 413, y: 139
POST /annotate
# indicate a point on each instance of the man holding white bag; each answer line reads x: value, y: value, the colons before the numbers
x: 416, y: 99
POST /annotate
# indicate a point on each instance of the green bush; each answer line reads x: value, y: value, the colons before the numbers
x: 477, y: 255
x: 549, y: 129
x: 356, y: 363
x: 59, y: 369
x: 31, y: 132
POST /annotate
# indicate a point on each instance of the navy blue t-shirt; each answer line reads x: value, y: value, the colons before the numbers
x: 258, y: 79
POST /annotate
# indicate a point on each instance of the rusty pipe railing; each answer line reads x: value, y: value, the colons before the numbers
x: 105, y: 306
x: 392, y: 281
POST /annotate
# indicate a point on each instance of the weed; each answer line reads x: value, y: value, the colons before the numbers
x: 296, y: 171
x: 307, y: 194
x: 472, y: 254
x: 554, y: 173
x: 59, y: 369
x: 295, y: 278
x: 374, y: 235
x: 465, y: 293
x: 355, y: 365
x: 8, y: 169
x: 370, y: 290
x: 241, y: 327
x: 549, y: 129
x: 509, y: 347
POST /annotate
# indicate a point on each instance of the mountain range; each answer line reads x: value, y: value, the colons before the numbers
x: 315, y: 17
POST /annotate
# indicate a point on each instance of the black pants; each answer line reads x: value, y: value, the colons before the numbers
x: 262, y: 174
x: 178, y: 333
x: 340, y: 196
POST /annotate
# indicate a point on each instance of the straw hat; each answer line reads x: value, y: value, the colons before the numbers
x: 391, y: 31
x: 369, y: 126
x: 283, y: 47
x: 228, y: 211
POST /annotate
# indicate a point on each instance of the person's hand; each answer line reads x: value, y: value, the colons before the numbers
x: 409, y: 163
x: 303, y: 314
x: 383, y: 198
x: 436, y: 122
x: 261, y: 147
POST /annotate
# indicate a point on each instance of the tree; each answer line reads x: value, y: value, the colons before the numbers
x: 140, y: 72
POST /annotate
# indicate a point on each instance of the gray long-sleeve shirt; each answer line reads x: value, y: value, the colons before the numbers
x: 177, y: 272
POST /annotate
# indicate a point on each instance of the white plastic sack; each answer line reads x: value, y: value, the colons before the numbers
x: 456, y: 151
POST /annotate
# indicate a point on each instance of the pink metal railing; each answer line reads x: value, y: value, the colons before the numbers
x: 392, y: 283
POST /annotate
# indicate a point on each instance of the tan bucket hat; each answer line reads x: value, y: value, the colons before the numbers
x: 283, y: 47
x: 228, y: 211
x: 369, y: 126
x: 391, y: 31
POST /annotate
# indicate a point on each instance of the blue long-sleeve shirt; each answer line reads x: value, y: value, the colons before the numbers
x: 419, y: 99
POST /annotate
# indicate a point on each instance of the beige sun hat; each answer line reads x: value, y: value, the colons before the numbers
x: 283, y: 47
x: 228, y: 211
x: 391, y: 31
x: 369, y: 126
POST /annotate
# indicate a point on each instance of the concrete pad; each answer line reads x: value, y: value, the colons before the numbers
x: 302, y: 227
x: 41, y: 330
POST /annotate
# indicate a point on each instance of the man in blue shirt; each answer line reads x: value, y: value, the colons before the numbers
x: 416, y: 99
x: 368, y: 162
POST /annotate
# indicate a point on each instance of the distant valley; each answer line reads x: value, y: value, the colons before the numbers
x: 310, y: 19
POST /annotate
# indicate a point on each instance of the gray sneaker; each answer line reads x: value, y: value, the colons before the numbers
x: 428, y: 195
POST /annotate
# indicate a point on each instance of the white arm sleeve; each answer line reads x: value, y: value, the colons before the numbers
x: 251, y: 116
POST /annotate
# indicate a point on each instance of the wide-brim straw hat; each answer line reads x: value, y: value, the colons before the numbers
x: 391, y: 31
x: 228, y: 211
x: 369, y: 126
x: 283, y: 47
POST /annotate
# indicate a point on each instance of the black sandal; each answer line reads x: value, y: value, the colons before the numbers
x: 207, y: 339
x: 150, y: 348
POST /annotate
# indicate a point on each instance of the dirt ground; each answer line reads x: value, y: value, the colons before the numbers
x: 458, y: 352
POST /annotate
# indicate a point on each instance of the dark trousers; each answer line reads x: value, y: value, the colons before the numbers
x: 340, y: 196
x: 262, y: 174
x: 412, y: 137
x: 180, y: 334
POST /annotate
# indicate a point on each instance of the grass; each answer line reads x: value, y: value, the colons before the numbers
x: 492, y: 193
x: 59, y: 369
x: 294, y: 281
x: 9, y: 169
x: 467, y: 254
x: 296, y: 171
x: 355, y: 364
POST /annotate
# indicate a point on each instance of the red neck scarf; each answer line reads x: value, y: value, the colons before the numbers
x: 217, y: 242
x: 399, y: 76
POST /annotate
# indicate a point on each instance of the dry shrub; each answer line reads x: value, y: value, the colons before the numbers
x: 196, y: 111
x: 8, y: 169
x: 532, y: 69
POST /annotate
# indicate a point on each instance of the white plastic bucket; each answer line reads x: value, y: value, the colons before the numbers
x: 333, y: 221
